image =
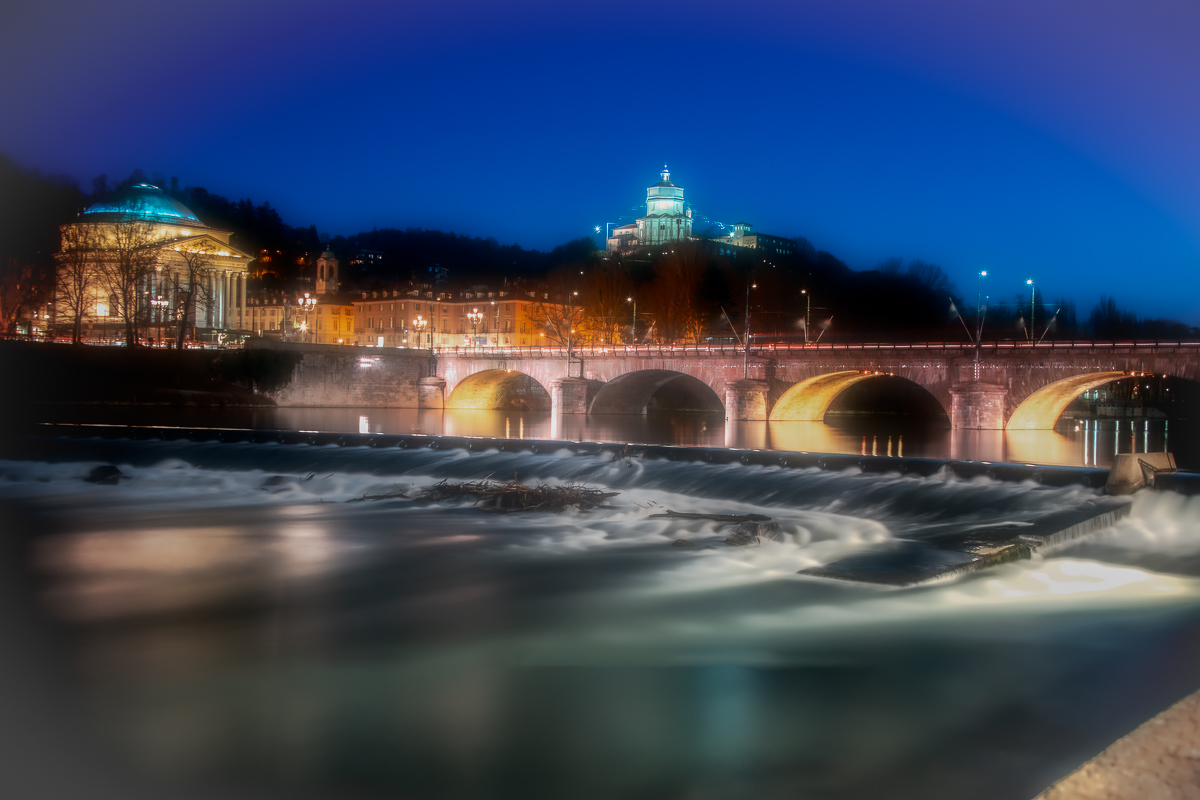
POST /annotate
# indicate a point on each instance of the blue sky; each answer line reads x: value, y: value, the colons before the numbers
x: 1052, y: 140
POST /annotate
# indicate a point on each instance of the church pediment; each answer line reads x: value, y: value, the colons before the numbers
x: 208, y: 244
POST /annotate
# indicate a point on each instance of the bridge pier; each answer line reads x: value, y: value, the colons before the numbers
x: 568, y: 396
x: 977, y: 406
x: 746, y: 399
x: 431, y: 392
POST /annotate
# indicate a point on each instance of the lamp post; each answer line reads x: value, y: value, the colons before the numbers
x: 807, y: 312
x: 308, y: 303
x: 979, y: 294
x: 160, y: 307
x: 633, y: 300
x: 496, y: 327
x: 570, y: 326
x: 474, y: 316
x: 1032, y: 296
x: 420, y: 323
x: 750, y: 284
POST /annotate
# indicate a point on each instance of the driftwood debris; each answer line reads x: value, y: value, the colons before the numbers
x: 715, y: 517
x: 398, y: 494
x: 747, y: 534
x: 513, y: 496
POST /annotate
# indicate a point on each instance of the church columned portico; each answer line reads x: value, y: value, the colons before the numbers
x: 179, y: 272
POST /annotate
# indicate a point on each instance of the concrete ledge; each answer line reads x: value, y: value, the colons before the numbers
x: 1129, y: 471
x: 878, y: 465
x: 1158, y: 761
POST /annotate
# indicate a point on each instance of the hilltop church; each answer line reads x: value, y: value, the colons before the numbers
x: 668, y: 219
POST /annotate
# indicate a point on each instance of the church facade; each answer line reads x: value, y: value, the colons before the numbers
x: 667, y: 219
x: 142, y: 254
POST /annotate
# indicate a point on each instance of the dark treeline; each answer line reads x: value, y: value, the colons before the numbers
x: 688, y: 292
x: 699, y: 290
x: 405, y: 254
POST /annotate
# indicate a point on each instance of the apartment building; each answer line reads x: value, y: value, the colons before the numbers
x: 478, y: 318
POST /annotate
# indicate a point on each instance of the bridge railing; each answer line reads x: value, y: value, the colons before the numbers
x: 767, y: 349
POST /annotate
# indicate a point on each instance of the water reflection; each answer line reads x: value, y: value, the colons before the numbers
x: 249, y: 620
x: 1076, y: 442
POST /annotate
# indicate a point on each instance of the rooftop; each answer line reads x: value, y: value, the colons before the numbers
x: 144, y: 202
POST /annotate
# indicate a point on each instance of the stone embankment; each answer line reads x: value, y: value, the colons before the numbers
x: 51, y: 374
x: 1158, y: 761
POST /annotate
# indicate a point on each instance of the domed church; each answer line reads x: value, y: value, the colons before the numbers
x: 145, y: 254
x: 667, y: 218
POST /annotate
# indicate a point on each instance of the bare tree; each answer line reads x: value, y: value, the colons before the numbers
x: 20, y: 289
x: 129, y: 253
x: 76, y: 277
x: 559, y: 312
x: 606, y: 290
x: 195, y: 289
x: 672, y: 297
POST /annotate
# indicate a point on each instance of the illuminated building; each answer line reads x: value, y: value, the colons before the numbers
x: 741, y: 235
x: 170, y: 236
x: 327, y: 273
x: 667, y: 218
x: 506, y: 319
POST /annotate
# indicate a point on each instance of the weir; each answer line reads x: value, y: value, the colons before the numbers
x: 914, y: 559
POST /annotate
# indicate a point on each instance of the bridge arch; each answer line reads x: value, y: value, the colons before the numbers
x: 499, y: 389
x: 650, y: 389
x: 1041, y: 409
x: 812, y: 398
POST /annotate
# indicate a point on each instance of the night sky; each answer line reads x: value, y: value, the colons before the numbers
x: 1058, y: 141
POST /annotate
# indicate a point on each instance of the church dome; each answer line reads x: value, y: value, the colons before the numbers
x: 143, y: 202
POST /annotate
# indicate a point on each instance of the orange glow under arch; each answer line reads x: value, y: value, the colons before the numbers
x: 1042, y: 409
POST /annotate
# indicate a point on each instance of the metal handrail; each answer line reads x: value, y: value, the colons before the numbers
x: 699, y: 350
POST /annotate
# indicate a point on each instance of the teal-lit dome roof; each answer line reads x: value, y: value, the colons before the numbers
x: 145, y: 202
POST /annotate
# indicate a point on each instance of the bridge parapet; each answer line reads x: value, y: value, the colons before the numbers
x: 978, y: 389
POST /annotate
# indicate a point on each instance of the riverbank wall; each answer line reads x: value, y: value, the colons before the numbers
x: 39, y: 373
x: 334, y: 376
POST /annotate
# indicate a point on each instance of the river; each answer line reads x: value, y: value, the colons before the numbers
x: 1090, y: 442
x: 225, y: 618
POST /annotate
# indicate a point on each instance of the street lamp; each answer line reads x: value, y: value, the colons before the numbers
x: 475, y: 316
x: 750, y: 284
x: 807, y: 312
x: 634, y: 301
x: 308, y: 303
x: 1032, y: 295
x: 979, y: 294
x: 570, y: 326
x: 160, y: 307
x: 420, y: 323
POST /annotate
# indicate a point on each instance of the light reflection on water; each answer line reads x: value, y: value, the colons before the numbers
x: 241, y: 617
x: 1073, y: 443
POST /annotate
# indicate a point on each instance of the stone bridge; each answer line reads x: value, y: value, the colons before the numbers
x: 1000, y: 385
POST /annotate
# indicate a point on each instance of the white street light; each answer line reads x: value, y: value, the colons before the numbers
x: 1032, y: 295
x: 420, y: 323
x: 308, y: 303
x: 475, y: 316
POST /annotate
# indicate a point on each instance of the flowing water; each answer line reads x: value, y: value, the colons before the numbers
x: 231, y: 619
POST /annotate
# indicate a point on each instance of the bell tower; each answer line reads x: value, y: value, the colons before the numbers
x: 327, y: 273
